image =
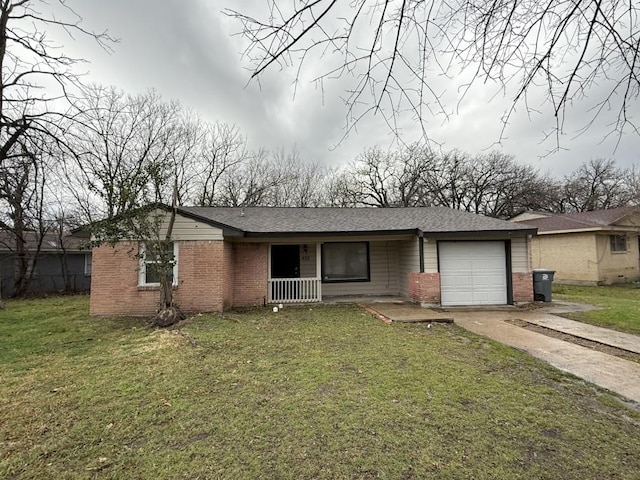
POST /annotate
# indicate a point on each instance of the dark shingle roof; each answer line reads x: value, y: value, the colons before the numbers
x: 273, y: 220
x: 50, y: 242
x: 581, y: 221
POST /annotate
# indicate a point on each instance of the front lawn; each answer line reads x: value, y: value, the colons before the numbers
x: 323, y: 392
x: 621, y: 305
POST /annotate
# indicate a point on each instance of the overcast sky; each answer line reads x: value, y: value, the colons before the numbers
x: 186, y: 50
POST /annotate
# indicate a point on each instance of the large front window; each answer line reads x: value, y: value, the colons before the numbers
x: 345, y: 262
x: 155, y: 255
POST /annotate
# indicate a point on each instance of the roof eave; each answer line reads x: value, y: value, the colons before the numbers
x: 331, y: 233
x: 482, y: 233
x: 590, y: 230
x: 413, y: 231
x: 227, y: 230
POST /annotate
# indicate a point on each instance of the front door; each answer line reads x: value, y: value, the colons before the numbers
x: 285, y: 261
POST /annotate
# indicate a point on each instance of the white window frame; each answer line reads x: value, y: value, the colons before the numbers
x: 613, y: 242
x: 142, y: 269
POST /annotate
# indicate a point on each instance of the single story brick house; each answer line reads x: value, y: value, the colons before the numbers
x: 231, y: 257
x: 598, y: 247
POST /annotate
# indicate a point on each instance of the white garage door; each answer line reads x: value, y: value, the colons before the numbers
x: 473, y: 273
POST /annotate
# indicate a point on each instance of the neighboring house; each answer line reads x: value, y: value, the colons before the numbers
x: 598, y: 247
x: 61, y: 265
x: 230, y: 257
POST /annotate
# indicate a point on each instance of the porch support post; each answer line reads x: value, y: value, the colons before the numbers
x: 319, y: 260
x: 319, y: 269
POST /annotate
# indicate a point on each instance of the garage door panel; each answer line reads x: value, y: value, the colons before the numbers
x: 473, y: 273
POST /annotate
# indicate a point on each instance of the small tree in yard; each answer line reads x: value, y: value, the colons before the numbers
x: 152, y: 227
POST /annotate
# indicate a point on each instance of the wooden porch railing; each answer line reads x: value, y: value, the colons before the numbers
x: 295, y: 290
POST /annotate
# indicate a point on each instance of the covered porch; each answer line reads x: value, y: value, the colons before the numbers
x: 313, y: 271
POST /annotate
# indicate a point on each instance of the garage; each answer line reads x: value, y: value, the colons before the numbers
x: 473, y: 273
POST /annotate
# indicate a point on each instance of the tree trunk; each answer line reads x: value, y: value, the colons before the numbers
x: 169, y: 313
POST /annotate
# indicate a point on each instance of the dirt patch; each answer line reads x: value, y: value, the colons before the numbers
x: 583, y: 342
x: 159, y: 340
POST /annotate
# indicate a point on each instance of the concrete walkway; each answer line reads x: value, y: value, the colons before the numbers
x: 613, y: 373
x: 606, y: 336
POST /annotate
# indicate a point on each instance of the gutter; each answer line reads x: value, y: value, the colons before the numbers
x: 606, y: 229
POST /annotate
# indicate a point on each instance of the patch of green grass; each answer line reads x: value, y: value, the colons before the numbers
x: 324, y: 392
x: 620, y: 303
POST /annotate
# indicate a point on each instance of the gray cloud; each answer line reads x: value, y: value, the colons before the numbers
x: 186, y: 51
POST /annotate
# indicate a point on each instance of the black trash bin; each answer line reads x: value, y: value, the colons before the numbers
x: 542, y: 280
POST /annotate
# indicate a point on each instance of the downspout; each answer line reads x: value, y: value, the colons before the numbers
x: 421, y: 248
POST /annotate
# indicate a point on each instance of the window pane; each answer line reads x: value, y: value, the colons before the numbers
x: 152, y: 260
x: 618, y: 243
x: 152, y: 273
x: 345, y: 262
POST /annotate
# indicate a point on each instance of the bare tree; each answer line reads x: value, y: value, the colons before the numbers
x: 22, y: 202
x: 254, y: 182
x: 380, y: 178
x: 307, y: 187
x: 595, y: 185
x: 341, y: 191
x: 374, y: 174
x: 499, y: 187
x: 34, y: 74
x: 300, y: 183
x: 125, y: 150
x: 222, y: 149
x: 390, y: 53
x: 633, y: 184
x: 446, y: 185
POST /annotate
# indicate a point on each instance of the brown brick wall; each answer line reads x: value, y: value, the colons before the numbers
x: 201, y: 275
x: 114, y: 282
x: 227, y: 286
x: 522, y: 287
x: 250, y: 273
x: 203, y: 266
x: 424, y: 287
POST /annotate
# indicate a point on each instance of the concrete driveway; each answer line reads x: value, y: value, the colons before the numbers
x: 608, y: 371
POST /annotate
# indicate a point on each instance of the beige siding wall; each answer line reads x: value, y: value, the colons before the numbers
x: 617, y: 267
x: 408, y: 261
x: 572, y: 255
x: 308, y: 261
x: 520, y: 261
x: 188, y: 229
x: 383, y: 262
x: 430, y: 255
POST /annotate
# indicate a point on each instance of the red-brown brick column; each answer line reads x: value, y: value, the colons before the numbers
x: 424, y: 287
x: 250, y: 273
x: 522, y: 287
